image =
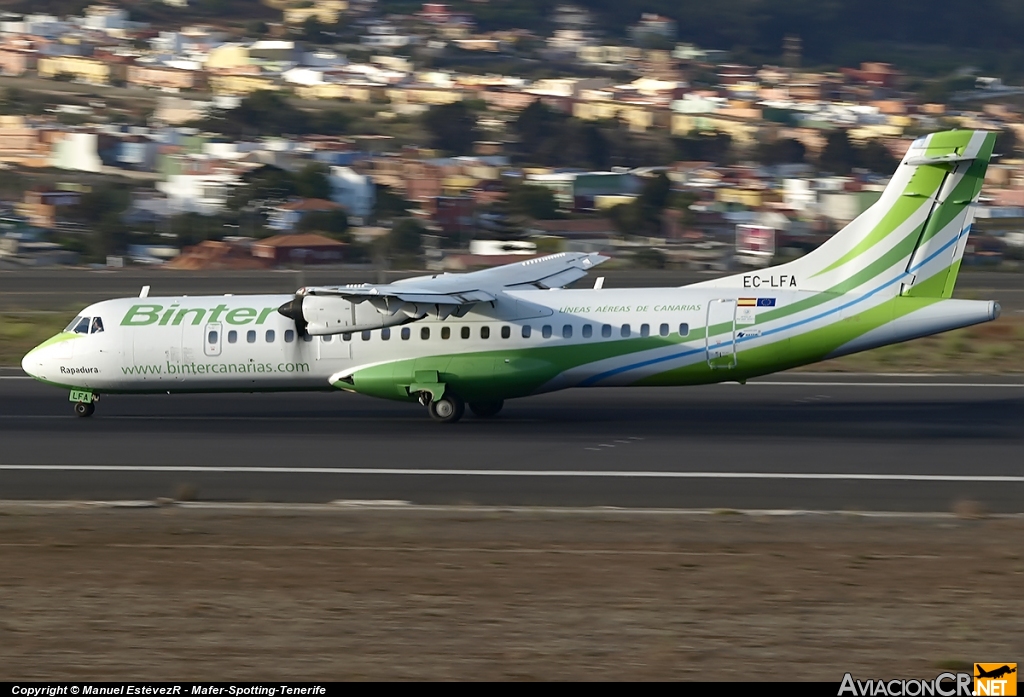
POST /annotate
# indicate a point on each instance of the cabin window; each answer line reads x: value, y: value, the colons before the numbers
x: 506, y: 332
x: 545, y: 331
x: 446, y: 332
x: 323, y: 339
x: 606, y: 330
x: 663, y: 330
x: 289, y: 336
x: 97, y: 325
x: 684, y: 329
x: 366, y: 336
x: 645, y: 330
x: 270, y: 336
x: 425, y: 333
x: 465, y: 332
x: 567, y: 331
x: 626, y: 331
x: 347, y: 336
x: 212, y: 337
x: 79, y: 325
x: 485, y: 332
x: 588, y: 331
x: 232, y: 337
x: 307, y: 338
x: 406, y: 333
x: 527, y: 330
x: 250, y: 336
x: 385, y: 333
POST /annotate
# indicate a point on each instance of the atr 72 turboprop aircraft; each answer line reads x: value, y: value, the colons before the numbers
x: 481, y: 338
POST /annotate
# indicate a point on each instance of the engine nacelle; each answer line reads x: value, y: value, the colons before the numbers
x: 327, y: 314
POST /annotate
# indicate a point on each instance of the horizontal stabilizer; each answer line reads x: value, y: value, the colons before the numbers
x: 939, y: 159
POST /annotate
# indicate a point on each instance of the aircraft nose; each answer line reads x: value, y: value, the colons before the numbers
x: 31, y: 363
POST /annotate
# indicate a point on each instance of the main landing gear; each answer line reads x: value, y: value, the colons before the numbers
x: 451, y: 407
x: 85, y: 409
x: 448, y: 409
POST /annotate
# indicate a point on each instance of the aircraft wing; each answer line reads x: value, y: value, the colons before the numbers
x: 461, y: 289
x: 322, y: 309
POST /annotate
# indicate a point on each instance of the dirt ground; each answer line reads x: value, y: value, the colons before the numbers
x: 339, y: 593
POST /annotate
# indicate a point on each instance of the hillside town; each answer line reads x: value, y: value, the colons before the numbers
x: 340, y: 133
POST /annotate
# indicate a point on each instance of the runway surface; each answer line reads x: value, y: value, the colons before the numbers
x: 797, y: 441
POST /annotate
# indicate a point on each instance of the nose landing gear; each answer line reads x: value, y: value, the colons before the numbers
x: 85, y: 402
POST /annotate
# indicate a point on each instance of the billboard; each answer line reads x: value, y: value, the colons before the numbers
x: 755, y: 241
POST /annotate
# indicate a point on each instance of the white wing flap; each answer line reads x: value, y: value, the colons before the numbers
x: 322, y: 310
x: 466, y: 290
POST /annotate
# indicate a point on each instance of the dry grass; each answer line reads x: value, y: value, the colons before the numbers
x: 20, y: 332
x: 995, y: 347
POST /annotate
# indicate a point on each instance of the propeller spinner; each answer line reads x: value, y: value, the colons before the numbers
x: 293, y: 311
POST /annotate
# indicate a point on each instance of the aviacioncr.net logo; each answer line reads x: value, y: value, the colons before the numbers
x: 942, y: 685
x: 995, y: 679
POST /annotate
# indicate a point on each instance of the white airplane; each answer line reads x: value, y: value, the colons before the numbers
x: 481, y: 338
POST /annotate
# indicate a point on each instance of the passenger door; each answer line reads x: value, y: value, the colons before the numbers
x: 720, y: 337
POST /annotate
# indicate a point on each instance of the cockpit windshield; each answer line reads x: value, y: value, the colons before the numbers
x: 79, y: 325
x: 85, y: 325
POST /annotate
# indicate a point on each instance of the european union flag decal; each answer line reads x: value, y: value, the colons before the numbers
x: 766, y: 302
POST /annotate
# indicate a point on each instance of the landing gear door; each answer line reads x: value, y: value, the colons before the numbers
x: 720, y: 338
x: 213, y: 337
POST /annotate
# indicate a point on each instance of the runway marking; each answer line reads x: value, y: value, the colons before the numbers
x: 597, y: 474
x: 360, y: 506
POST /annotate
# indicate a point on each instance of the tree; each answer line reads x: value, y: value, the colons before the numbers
x: 265, y: 184
x: 536, y: 202
x: 100, y: 203
x: 406, y: 238
x: 626, y: 218
x: 193, y: 228
x: 387, y: 204
x: 651, y: 202
x: 313, y: 182
x: 782, y: 151
x: 332, y: 223
x: 267, y: 112
x: 1006, y: 143
x: 704, y: 147
x: 655, y: 193
x: 256, y: 27
x: 649, y: 258
x: 313, y: 31
x: 838, y: 156
x: 452, y: 128
x: 552, y: 138
x: 874, y: 156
